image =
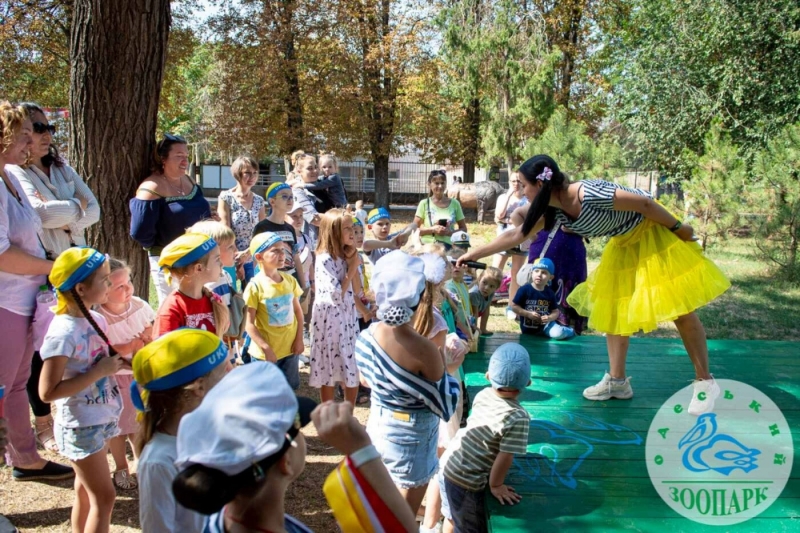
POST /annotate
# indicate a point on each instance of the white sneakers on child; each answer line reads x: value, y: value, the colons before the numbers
x: 607, y: 388
x: 706, y: 391
x: 510, y: 315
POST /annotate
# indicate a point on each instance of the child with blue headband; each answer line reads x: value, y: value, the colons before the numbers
x: 194, y: 260
x: 172, y: 375
x: 379, y: 221
x: 78, y: 375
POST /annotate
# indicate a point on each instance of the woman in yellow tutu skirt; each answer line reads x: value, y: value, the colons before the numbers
x: 651, y: 270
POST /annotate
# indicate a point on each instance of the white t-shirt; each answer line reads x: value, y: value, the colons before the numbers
x: 361, y: 214
x: 123, y: 328
x: 75, y: 338
x: 158, y: 510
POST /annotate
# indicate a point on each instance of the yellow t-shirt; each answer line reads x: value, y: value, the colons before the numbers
x: 274, y: 305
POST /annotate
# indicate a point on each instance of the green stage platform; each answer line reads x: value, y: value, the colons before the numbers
x: 585, y: 469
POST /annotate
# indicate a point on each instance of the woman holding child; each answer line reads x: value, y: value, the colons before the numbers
x: 651, y: 270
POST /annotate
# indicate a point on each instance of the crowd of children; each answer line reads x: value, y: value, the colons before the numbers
x: 388, y: 325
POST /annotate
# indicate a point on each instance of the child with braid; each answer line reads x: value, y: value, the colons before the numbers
x: 78, y: 375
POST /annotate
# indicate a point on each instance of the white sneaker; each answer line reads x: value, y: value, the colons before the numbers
x: 511, y: 315
x: 607, y: 389
x: 303, y: 359
x: 706, y: 391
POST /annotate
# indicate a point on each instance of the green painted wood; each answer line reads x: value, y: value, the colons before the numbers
x: 612, y: 491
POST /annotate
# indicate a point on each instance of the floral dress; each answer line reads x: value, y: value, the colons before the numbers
x: 334, y: 326
x: 242, y: 219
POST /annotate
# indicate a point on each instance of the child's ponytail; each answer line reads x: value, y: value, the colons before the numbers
x: 222, y: 317
x: 423, y: 318
x: 88, y: 316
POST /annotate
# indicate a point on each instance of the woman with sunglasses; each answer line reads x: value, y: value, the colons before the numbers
x: 66, y: 206
x: 240, y: 209
x: 166, y: 203
x: 437, y: 215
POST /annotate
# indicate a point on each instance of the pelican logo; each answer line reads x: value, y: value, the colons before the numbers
x: 722, y: 467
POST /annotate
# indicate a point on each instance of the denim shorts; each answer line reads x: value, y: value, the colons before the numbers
x: 465, y: 508
x: 407, y: 444
x: 290, y: 367
x: 79, y: 443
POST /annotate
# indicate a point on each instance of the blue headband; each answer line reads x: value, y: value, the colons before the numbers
x: 382, y: 213
x: 269, y: 242
x: 273, y: 192
x: 91, y: 264
x: 357, y: 222
x: 195, y: 254
x: 185, y: 375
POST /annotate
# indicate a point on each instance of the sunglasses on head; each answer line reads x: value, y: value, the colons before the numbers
x: 41, y: 127
x: 172, y: 139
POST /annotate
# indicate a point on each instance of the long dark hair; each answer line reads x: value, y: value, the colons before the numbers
x: 52, y: 157
x: 530, y: 170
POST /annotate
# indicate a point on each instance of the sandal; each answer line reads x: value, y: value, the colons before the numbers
x: 45, y: 437
x: 123, y: 480
x: 363, y: 396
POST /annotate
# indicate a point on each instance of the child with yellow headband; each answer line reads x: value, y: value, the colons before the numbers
x: 274, y: 316
x: 78, y: 375
x: 193, y: 260
x: 172, y: 375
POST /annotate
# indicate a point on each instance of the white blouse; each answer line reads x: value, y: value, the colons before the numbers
x: 19, y: 226
x: 56, y: 200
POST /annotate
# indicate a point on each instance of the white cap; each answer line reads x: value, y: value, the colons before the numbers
x: 398, y: 280
x: 243, y: 419
x: 460, y: 239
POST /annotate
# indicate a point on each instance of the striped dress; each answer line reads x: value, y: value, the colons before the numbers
x: 598, y: 218
x: 397, y: 389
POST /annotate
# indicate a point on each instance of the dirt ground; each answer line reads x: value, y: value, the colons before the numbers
x: 45, y: 507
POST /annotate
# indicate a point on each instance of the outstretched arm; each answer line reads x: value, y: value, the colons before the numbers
x: 649, y: 208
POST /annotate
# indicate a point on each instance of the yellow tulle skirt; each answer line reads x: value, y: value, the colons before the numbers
x: 645, y: 277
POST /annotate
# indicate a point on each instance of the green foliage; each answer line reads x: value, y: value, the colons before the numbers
x: 713, y: 195
x: 577, y: 154
x: 777, y: 169
x: 676, y: 66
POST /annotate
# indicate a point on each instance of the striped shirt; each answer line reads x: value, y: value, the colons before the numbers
x: 216, y: 524
x: 598, y: 217
x: 397, y: 389
x: 495, y: 425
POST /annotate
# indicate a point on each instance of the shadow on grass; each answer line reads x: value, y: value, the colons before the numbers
x: 44, y: 518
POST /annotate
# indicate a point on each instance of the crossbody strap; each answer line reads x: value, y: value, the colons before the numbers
x: 550, y: 237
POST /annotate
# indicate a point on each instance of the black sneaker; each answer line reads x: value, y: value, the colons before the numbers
x: 50, y: 472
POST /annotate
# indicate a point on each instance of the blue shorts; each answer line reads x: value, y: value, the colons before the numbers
x: 407, y: 444
x: 465, y: 508
x: 290, y: 367
x: 79, y: 443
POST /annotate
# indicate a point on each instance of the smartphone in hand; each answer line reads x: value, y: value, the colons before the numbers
x: 442, y: 222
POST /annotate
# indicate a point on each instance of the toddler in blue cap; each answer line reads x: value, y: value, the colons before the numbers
x: 536, y: 303
x: 482, y: 452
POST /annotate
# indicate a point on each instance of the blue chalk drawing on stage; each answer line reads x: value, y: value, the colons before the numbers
x: 583, y: 432
x: 708, y: 450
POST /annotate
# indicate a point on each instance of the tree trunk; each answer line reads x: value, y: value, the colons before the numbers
x: 473, y: 138
x: 117, y: 55
x: 381, y: 163
x: 294, y: 107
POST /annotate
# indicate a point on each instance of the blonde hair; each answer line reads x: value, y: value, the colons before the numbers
x: 332, y: 157
x: 11, y: 119
x: 298, y: 157
x: 330, y: 234
x: 431, y: 296
x: 242, y: 162
x: 490, y: 273
x: 216, y: 230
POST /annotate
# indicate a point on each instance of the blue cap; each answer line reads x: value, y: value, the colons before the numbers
x: 510, y: 367
x: 544, y: 263
x: 377, y: 214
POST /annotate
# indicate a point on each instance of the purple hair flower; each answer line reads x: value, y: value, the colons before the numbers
x: 546, y: 174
